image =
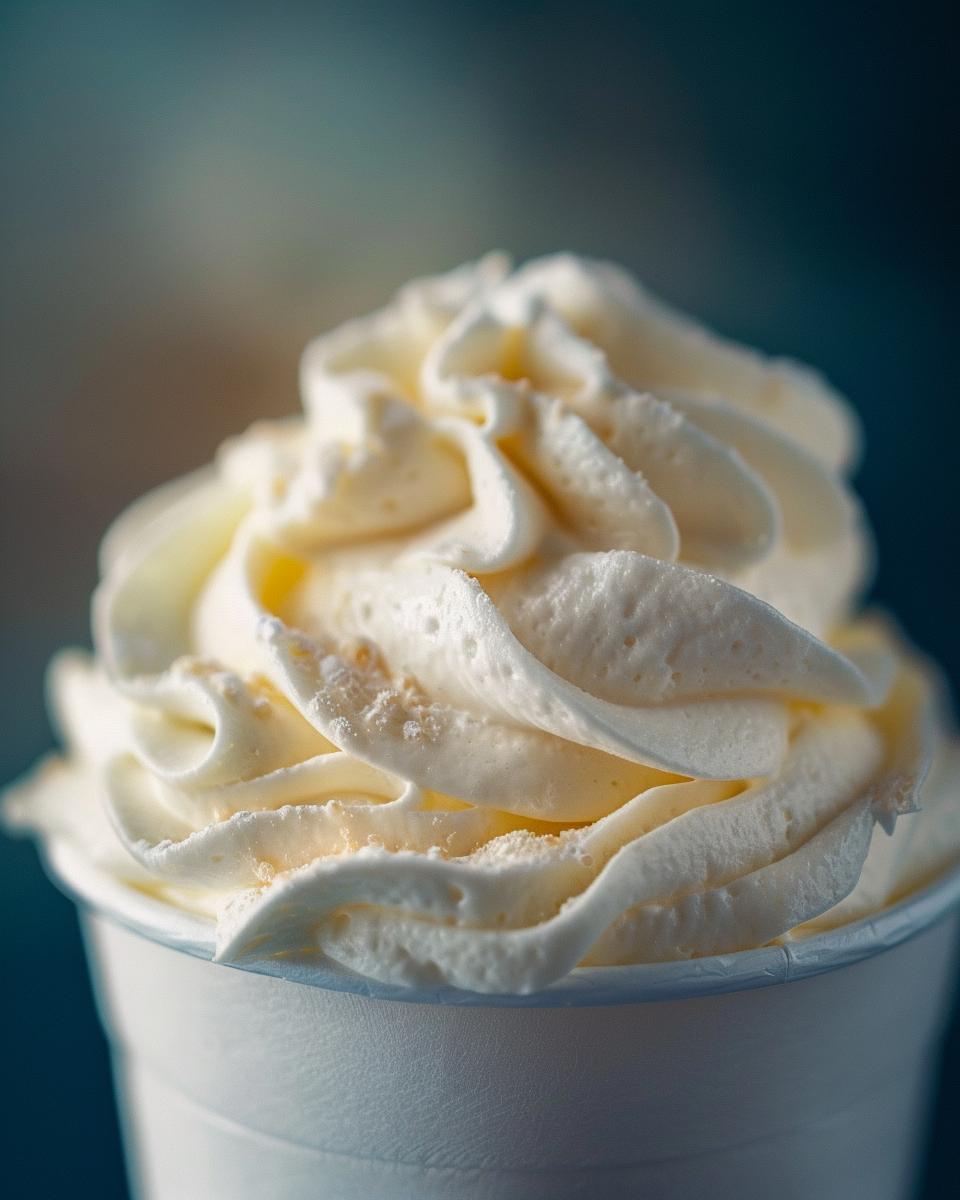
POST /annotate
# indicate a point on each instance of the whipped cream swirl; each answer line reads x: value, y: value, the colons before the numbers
x: 531, y: 645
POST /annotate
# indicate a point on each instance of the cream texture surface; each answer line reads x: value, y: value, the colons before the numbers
x: 533, y: 644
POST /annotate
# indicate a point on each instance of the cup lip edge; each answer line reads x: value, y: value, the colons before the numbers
x: 786, y: 961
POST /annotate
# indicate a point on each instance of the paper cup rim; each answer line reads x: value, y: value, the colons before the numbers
x: 795, y: 958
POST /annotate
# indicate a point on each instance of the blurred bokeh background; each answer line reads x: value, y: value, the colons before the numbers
x: 190, y: 190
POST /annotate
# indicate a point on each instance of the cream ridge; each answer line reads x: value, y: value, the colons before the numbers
x: 532, y: 644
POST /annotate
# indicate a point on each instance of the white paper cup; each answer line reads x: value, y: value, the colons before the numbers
x: 668, y: 1081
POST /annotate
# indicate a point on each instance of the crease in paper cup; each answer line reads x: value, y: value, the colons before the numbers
x: 792, y: 959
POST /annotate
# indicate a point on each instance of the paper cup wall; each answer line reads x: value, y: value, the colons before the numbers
x: 663, y: 1082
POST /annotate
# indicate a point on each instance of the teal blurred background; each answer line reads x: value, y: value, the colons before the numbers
x: 189, y: 191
